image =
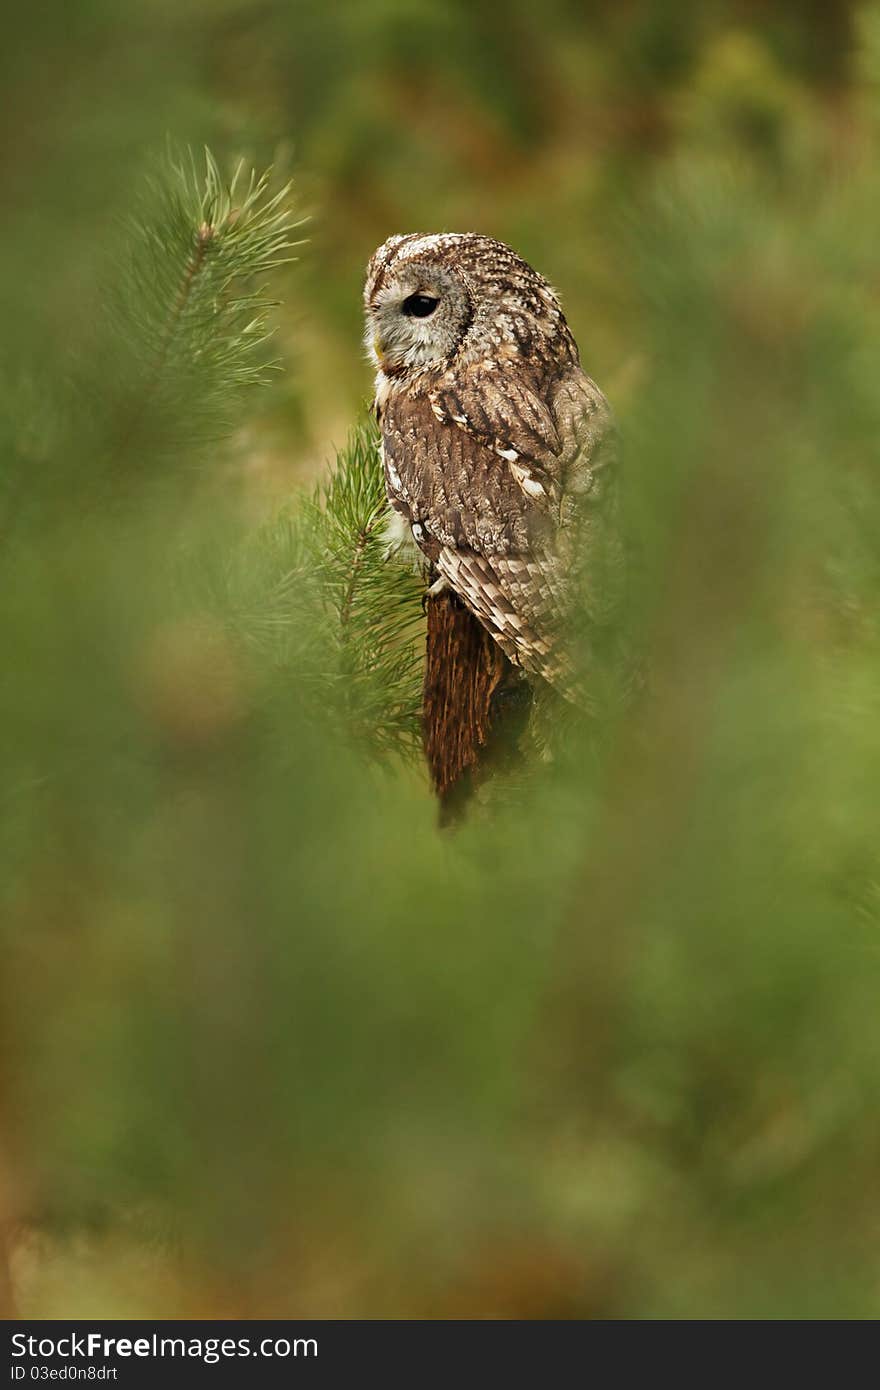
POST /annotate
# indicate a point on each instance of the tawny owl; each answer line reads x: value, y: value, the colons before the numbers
x: 498, y: 449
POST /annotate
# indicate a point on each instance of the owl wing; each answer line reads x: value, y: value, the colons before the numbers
x: 559, y: 446
x: 505, y: 411
x: 495, y: 475
x: 590, y: 540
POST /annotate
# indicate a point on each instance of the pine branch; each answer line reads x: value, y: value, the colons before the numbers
x: 163, y: 372
x: 319, y: 592
x: 190, y: 318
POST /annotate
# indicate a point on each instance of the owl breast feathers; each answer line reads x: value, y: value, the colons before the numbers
x: 498, y: 450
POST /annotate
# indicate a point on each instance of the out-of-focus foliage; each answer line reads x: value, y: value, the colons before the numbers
x: 271, y: 1044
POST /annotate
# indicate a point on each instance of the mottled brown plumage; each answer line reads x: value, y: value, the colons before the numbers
x: 498, y: 449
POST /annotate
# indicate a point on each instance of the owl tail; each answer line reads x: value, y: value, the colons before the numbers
x: 473, y: 706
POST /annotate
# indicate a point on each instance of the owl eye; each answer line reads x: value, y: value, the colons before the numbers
x: 419, y: 306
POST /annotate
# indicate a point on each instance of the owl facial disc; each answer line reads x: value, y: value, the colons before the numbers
x: 417, y: 313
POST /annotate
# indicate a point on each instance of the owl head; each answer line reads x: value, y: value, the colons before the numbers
x: 430, y: 300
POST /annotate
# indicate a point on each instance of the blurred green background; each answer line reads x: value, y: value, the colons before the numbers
x: 272, y: 1045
